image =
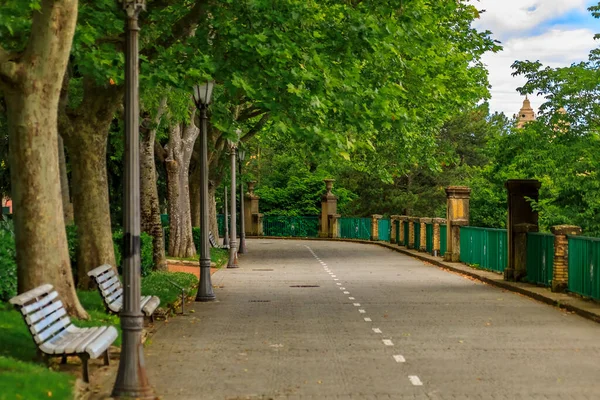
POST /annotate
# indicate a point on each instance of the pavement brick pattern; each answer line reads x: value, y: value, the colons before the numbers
x: 334, y: 320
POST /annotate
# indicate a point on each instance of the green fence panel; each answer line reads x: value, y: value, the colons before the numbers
x: 398, y: 232
x: 406, y: 230
x: 540, y: 258
x: 484, y: 247
x: 443, y: 239
x: 584, y: 261
x: 164, y: 219
x: 288, y: 226
x: 417, y: 235
x: 355, y: 228
x: 383, y: 229
x: 429, y: 237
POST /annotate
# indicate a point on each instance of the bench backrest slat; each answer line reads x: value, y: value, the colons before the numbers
x: 39, y: 304
x: 58, y: 327
x: 44, y: 312
x: 105, y: 276
x: 48, y: 321
x: 106, y: 285
x: 117, y: 294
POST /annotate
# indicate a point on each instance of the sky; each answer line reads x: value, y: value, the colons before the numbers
x: 555, y: 32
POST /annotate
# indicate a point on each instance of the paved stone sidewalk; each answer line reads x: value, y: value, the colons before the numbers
x: 378, y: 325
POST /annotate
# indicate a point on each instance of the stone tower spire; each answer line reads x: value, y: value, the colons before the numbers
x: 526, y: 114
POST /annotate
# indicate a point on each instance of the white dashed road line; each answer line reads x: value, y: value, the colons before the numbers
x: 377, y: 330
x: 367, y: 319
x: 415, y: 380
x: 388, y: 342
x: 399, y: 358
x: 361, y: 311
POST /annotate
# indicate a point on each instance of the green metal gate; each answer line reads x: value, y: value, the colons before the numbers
x: 417, y: 227
x: 584, y: 271
x: 290, y: 226
x: 429, y: 237
x: 355, y: 228
x: 484, y: 247
x: 383, y: 229
x: 540, y: 258
x: 406, y: 230
x: 443, y: 239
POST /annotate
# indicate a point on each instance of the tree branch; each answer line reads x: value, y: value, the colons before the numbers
x: 256, y: 128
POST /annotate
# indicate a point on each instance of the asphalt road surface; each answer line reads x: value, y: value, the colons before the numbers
x: 335, y: 320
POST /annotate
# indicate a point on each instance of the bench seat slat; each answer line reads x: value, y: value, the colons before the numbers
x: 46, y: 322
x: 85, y: 336
x: 44, y: 312
x: 58, y: 326
x: 150, y: 305
x: 39, y: 304
x: 58, y: 343
x: 102, y: 342
x: 81, y: 346
x: 26, y: 297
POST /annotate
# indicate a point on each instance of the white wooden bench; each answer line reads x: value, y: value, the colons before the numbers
x: 213, y: 241
x: 53, y: 333
x: 111, y: 291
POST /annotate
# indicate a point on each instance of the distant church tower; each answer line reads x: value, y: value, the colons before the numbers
x: 526, y: 114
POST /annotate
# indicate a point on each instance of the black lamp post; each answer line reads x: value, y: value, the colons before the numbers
x: 132, y: 381
x: 202, y: 97
x: 233, y: 258
x: 241, y: 158
x: 226, y: 233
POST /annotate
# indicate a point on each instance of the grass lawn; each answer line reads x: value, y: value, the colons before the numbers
x: 218, y: 256
x: 22, y: 376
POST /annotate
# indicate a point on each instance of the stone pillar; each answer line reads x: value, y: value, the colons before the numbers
x: 334, y: 225
x: 375, y: 226
x: 252, y: 217
x: 521, y: 219
x: 457, y: 215
x: 411, y: 231
x: 560, y: 273
x: 423, y: 232
x: 328, y: 207
x: 436, y: 235
x: 395, y: 223
x: 403, y: 219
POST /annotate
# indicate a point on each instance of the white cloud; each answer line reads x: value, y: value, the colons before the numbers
x: 512, y: 22
x: 507, y: 17
x: 554, y: 48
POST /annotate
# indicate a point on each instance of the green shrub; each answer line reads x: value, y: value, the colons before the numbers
x: 157, y: 284
x: 8, y: 262
x: 147, y: 249
x: 196, y: 238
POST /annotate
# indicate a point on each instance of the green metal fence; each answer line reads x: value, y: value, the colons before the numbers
x: 584, y: 271
x: 540, y: 258
x: 288, y: 226
x: 443, y: 239
x: 429, y: 237
x: 417, y: 226
x: 484, y: 247
x: 398, y: 232
x: 221, y: 224
x: 406, y: 233
x: 355, y: 228
x: 383, y: 229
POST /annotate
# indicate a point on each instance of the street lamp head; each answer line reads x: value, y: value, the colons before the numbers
x: 241, y: 153
x: 203, y: 93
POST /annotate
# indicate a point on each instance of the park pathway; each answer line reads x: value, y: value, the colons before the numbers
x: 335, y: 320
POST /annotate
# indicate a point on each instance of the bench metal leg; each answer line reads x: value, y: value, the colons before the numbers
x: 106, y: 358
x: 84, y: 361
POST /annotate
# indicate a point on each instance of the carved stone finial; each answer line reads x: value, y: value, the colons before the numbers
x: 133, y: 7
x: 251, y: 185
x: 329, y: 185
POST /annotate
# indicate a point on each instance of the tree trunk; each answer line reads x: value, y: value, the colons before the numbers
x: 179, y: 153
x: 64, y: 183
x: 85, y: 132
x: 31, y: 83
x: 195, y: 194
x: 212, y: 210
x: 150, y: 211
